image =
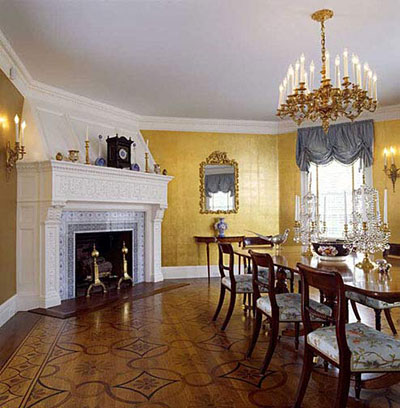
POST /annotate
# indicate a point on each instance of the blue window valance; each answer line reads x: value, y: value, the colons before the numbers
x: 344, y: 142
x: 220, y: 182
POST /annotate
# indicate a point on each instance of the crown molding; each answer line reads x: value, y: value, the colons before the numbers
x: 46, y: 94
x: 208, y: 125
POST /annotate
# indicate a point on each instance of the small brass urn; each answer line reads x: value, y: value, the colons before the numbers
x: 125, y: 275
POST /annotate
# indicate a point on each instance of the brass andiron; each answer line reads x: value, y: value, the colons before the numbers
x: 96, y: 281
x: 125, y: 267
x: 146, y: 158
x: 87, y: 146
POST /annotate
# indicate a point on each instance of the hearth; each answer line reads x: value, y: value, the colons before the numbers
x: 109, y: 245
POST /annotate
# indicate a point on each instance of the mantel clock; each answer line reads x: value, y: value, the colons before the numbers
x: 119, y: 152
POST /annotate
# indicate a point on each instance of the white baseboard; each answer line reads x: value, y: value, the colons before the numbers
x: 8, y: 309
x: 186, y: 272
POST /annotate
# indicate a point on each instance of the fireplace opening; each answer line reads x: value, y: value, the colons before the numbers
x: 110, y: 261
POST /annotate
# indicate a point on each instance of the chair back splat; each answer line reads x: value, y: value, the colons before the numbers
x: 265, y: 261
x: 331, y: 284
x: 226, y: 249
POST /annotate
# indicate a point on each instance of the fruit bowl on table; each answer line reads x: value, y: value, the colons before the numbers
x: 331, y: 250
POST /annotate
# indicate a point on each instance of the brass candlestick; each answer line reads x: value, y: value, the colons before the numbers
x: 125, y: 267
x: 146, y: 157
x: 87, y: 145
x: 308, y: 251
x: 96, y: 280
x: 366, y: 264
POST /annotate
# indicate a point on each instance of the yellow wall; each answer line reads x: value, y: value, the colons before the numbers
x: 388, y: 134
x: 181, y: 153
x: 289, y: 181
x: 268, y: 181
x: 11, y: 103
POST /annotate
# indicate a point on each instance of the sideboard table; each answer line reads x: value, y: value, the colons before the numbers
x: 214, y: 240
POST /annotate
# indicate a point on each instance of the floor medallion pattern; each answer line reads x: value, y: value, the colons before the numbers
x: 163, y: 351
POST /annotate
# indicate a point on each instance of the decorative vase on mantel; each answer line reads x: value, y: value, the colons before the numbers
x: 221, y: 226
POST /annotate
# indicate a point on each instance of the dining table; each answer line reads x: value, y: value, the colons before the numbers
x: 372, y: 283
x: 381, y: 286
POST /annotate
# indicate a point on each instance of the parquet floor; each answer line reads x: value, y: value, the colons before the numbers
x: 161, y: 352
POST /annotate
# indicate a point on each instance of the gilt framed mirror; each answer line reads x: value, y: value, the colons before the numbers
x: 219, y: 184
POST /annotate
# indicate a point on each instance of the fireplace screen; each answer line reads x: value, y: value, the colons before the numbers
x: 109, y: 245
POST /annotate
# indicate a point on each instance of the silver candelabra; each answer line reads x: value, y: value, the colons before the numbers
x: 307, y: 227
x: 369, y: 234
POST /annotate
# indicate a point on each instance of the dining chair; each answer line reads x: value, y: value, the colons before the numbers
x: 235, y: 284
x: 377, y: 305
x: 277, y: 307
x: 354, y: 348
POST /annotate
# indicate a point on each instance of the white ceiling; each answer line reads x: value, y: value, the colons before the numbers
x: 194, y: 58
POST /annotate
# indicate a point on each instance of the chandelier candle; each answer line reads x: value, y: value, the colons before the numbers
x: 345, y: 97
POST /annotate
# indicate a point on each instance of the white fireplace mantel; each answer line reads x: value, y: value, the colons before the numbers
x: 47, y: 188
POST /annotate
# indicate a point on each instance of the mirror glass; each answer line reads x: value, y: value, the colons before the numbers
x: 219, y: 180
x: 220, y: 187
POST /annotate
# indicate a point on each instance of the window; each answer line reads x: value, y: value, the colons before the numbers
x: 221, y: 201
x: 329, y: 183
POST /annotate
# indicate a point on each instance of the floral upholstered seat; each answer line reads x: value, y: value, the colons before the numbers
x: 369, y: 301
x: 290, y: 306
x: 244, y: 283
x: 371, y: 350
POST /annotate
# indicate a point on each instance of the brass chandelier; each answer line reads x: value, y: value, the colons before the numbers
x: 300, y: 101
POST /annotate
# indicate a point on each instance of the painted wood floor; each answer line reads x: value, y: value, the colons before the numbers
x: 162, y: 351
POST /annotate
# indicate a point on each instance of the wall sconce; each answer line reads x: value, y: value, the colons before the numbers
x: 18, y: 153
x: 393, y: 171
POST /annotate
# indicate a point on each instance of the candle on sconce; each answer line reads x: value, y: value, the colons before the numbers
x: 87, y: 133
x: 345, y: 208
x: 23, y: 126
x: 392, y: 154
x: 16, y: 120
x: 385, y: 207
x: 385, y: 157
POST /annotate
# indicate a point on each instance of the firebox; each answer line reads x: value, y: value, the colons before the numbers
x: 109, y: 245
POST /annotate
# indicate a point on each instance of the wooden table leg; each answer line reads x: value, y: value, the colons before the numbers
x: 208, y: 261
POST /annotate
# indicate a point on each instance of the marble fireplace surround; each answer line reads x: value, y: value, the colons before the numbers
x: 76, y: 222
x: 46, y: 190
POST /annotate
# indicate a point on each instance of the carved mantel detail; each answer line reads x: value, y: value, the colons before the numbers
x: 46, y: 189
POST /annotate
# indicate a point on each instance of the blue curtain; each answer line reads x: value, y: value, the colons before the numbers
x: 345, y: 142
x: 220, y: 182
